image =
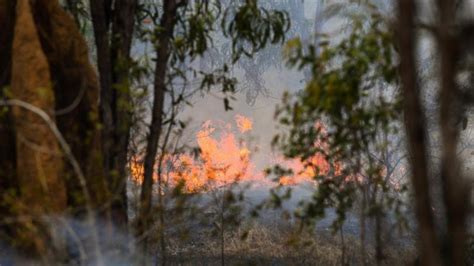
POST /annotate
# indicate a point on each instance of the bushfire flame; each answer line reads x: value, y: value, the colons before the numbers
x: 224, y: 159
x: 244, y: 123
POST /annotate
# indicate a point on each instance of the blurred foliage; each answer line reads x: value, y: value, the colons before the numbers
x: 349, y: 92
x: 352, y: 92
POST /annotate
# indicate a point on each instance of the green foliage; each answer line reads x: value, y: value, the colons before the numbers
x: 220, y: 77
x: 251, y: 28
x: 353, y: 94
x: 348, y: 91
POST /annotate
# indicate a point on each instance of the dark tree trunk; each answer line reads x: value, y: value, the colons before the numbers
x: 343, y: 247
x: 363, y: 225
x: 455, y: 188
x: 167, y: 24
x: 113, y: 37
x: 8, y: 179
x: 379, y: 256
x: 122, y: 32
x: 416, y: 134
x: 100, y: 12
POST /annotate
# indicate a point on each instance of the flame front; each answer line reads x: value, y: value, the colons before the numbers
x: 224, y: 160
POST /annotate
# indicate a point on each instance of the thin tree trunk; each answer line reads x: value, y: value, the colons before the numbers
x: 378, y: 238
x: 167, y: 24
x: 363, y: 226
x: 99, y: 14
x: 416, y: 135
x: 343, y: 246
x: 222, y: 229
x: 378, y: 226
x: 454, y: 187
x: 122, y: 33
x: 8, y: 179
x: 113, y: 38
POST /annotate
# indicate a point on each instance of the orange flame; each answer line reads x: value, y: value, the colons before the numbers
x: 224, y: 160
x: 304, y: 171
x: 244, y: 123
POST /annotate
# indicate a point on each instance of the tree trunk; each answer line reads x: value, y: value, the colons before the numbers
x: 343, y: 246
x: 8, y: 179
x: 100, y: 12
x: 379, y: 256
x: 113, y: 38
x: 167, y: 24
x: 222, y: 230
x: 122, y: 32
x: 416, y: 134
x: 363, y: 221
x: 455, y: 188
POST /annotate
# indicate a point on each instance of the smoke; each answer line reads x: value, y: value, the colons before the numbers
x: 72, y: 243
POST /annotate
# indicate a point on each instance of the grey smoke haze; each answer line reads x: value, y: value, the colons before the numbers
x: 210, y: 107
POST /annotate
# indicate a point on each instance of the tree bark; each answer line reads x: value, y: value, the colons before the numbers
x: 167, y: 24
x: 113, y: 38
x: 122, y: 33
x: 8, y: 179
x: 100, y: 12
x: 416, y: 134
x: 455, y: 188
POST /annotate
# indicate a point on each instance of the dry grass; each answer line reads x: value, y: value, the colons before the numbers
x: 277, y: 244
